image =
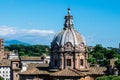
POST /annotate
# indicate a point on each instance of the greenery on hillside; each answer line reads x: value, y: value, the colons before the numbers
x: 32, y: 50
x: 101, y: 55
x: 111, y: 77
x: 98, y: 55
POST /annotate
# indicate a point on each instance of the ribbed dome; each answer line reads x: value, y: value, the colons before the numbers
x: 68, y: 34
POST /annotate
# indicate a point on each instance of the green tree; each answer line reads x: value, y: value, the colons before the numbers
x: 106, y: 62
x: 110, y: 54
x: 103, y: 78
x: 22, y: 53
x: 98, y: 55
x: 92, y: 60
x: 116, y: 78
x: 1, y: 78
x: 31, y: 50
x: 110, y: 77
x: 117, y: 63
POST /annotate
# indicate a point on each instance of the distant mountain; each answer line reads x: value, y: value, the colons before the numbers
x: 7, y: 43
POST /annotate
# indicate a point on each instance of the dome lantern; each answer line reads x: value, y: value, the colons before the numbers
x: 68, y: 21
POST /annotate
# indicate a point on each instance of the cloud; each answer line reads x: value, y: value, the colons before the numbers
x: 7, y: 30
x: 31, y: 36
x: 39, y: 32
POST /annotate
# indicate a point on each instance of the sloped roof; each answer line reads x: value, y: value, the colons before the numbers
x: 34, y: 69
x: 35, y: 65
x: 74, y: 72
x: 30, y: 58
x: 97, y: 70
x: 15, y: 59
x: 5, y: 62
x: 67, y: 72
x: 43, y: 69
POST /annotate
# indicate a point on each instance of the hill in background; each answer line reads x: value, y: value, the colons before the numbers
x: 11, y: 42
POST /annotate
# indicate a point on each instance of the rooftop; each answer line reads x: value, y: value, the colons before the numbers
x: 30, y: 58
x: 43, y: 69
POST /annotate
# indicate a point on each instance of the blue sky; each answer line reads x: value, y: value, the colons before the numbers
x: 37, y: 21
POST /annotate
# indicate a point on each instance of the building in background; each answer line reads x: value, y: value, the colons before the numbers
x: 2, y: 49
x: 5, y: 69
x: 11, y: 64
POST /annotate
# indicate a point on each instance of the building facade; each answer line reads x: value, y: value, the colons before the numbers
x: 2, y: 49
x: 5, y: 69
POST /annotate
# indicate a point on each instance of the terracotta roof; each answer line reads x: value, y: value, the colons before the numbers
x: 96, y: 71
x: 67, y: 72
x: 14, y: 59
x: 35, y: 69
x: 74, y: 72
x: 30, y: 58
x: 34, y: 65
x: 5, y: 62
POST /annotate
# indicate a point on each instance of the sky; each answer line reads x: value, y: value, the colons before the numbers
x: 37, y: 21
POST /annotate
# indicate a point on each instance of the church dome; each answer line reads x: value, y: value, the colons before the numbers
x: 68, y: 34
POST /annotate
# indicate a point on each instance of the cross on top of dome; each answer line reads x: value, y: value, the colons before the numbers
x: 68, y: 21
x: 68, y: 10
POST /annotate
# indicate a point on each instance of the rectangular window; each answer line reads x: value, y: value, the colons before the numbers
x: 81, y: 62
x: 16, y: 75
x: 55, y: 62
x: 17, y: 65
x: 68, y: 62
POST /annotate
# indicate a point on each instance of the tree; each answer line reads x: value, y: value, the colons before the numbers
x: 92, y: 60
x: 106, y: 62
x: 111, y: 77
x: 1, y: 78
x: 110, y: 54
x: 98, y: 55
x: 117, y: 63
x: 98, y: 48
x: 31, y: 50
x: 116, y: 78
x: 103, y: 78
x: 22, y: 53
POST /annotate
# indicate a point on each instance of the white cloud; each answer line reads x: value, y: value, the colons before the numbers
x: 31, y: 36
x: 7, y: 30
x: 39, y: 32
